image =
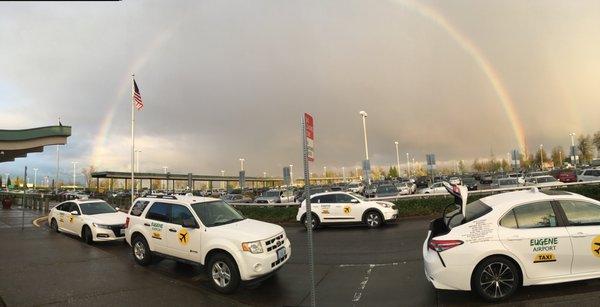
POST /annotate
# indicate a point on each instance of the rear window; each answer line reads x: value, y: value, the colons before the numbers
x: 138, y: 207
x: 473, y: 211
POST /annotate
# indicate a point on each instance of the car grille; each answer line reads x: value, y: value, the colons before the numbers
x: 117, y: 230
x: 275, y: 242
x: 274, y: 264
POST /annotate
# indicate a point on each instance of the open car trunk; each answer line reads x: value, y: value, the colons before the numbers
x: 439, y: 226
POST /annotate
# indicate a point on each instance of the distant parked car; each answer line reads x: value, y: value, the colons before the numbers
x: 486, y: 179
x: 370, y: 191
x: 405, y: 188
x: 504, y: 183
x: 422, y: 182
x: 564, y: 175
x: 436, y: 188
x: 386, y: 190
x: 236, y: 198
x: 355, y: 187
x: 541, y: 181
x: 275, y: 196
x: 471, y: 183
x: 454, y: 180
x: 589, y: 175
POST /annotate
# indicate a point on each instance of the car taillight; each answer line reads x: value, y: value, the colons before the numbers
x: 442, y: 245
x: 127, y: 222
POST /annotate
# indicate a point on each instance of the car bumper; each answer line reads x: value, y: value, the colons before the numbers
x: 102, y: 234
x: 390, y: 215
x: 263, y: 264
x: 442, y: 276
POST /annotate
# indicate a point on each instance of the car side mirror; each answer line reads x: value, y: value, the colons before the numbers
x: 74, y: 212
x: 117, y: 208
x: 190, y: 223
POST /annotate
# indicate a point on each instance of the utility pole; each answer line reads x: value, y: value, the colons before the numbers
x: 35, y: 177
x: 74, y: 176
x: 397, y: 159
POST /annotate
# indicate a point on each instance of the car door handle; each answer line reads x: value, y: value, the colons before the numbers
x: 146, y: 224
x: 172, y: 230
x: 579, y: 235
x: 514, y: 238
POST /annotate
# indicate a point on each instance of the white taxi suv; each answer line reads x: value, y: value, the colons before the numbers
x: 498, y: 243
x: 208, y: 232
x: 91, y: 219
x: 344, y: 207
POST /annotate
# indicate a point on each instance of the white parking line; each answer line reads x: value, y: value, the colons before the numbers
x: 363, y: 284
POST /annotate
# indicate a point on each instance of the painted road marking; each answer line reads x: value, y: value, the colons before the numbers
x: 363, y: 284
x: 37, y: 221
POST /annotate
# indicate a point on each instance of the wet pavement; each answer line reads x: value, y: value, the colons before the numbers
x: 356, y: 266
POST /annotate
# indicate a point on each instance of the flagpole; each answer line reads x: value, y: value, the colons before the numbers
x: 132, y: 135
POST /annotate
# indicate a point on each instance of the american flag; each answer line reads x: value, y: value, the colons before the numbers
x: 137, y: 97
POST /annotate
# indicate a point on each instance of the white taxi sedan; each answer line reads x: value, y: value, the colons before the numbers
x: 498, y: 243
x: 343, y: 207
x: 90, y: 219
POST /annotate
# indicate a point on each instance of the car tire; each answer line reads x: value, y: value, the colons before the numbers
x: 54, y: 226
x: 223, y: 273
x: 373, y: 219
x: 495, y: 279
x: 86, y: 235
x: 315, y: 222
x: 141, y: 251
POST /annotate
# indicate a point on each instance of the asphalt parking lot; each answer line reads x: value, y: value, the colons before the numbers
x: 355, y: 267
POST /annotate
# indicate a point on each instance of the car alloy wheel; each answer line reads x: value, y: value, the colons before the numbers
x: 221, y: 274
x: 139, y: 250
x: 373, y: 219
x: 497, y: 280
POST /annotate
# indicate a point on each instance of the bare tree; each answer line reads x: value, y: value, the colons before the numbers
x: 596, y: 141
x: 586, y: 148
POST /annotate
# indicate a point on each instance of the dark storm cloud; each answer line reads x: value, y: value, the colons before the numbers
x: 228, y: 79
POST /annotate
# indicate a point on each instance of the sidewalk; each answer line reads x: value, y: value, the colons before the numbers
x: 12, y: 218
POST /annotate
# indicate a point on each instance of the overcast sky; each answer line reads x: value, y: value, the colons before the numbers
x: 228, y: 79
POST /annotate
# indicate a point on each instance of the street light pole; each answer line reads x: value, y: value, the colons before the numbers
x: 573, y: 155
x: 363, y: 114
x: 397, y: 159
x: 74, y: 176
x: 35, y: 177
x: 292, y: 174
x: 222, y: 182
x: 324, y: 171
x: 166, y: 180
x: 242, y: 163
x: 343, y: 174
x: 407, y: 165
x: 541, y: 157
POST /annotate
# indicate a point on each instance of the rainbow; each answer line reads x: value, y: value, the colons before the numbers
x: 125, y: 87
x: 468, y: 46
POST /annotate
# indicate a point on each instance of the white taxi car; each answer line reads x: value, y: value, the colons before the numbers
x: 209, y: 232
x: 343, y: 207
x: 91, y: 219
x: 498, y: 243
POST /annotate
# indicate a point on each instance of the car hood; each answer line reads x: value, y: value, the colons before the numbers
x: 249, y: 230
x: 115, y: 218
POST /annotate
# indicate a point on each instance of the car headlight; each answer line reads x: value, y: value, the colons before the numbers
x: 101, y: 226
x: 385, y: 205
x: 253, y: 247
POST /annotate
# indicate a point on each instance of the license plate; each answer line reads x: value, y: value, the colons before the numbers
x: 122, y: 231
x: 281, y: 253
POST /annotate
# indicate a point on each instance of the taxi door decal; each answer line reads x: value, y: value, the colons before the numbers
x: 183, y: 236
x: 347, y: 210
x: 596, y: 246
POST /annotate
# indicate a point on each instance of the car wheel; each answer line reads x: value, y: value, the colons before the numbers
x: 223, y: 273
x: 54, y: 226
x: 86, y: 235
x: 315, y: 222
x: 495, y: 279
x: 141, y: 251
x: 373, y: 219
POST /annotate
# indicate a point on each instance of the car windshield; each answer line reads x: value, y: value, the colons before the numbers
x: 507, y: 181
x: 360, y: 197
x: 473, y: 211
x: 386, y: 189
x: 271, y: 194
x: 97, y: 207
x: 216, y: 213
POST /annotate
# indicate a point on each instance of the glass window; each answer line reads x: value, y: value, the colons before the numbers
x: 216, y: 213
x: 73, y: 207
x: 139, y: 207
x: 535, y: 215
x: 324, y: 199
x: 159, y: 212
x: 97, y: 207
x: 180, y: 214
x: 509, y: 220
x: 343, y: 198
x: 581, y: 213
x: 474, y: 210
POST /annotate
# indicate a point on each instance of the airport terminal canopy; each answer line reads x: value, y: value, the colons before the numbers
x: 18, y: 143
